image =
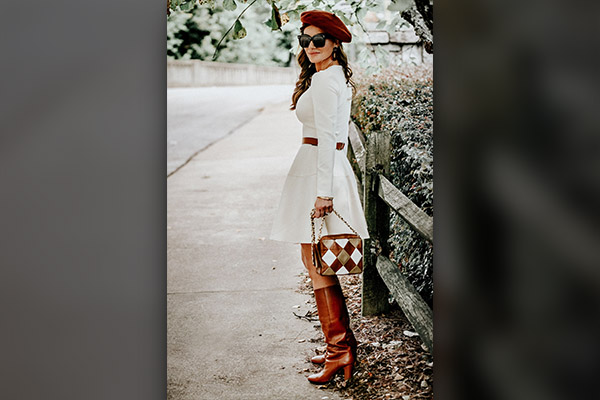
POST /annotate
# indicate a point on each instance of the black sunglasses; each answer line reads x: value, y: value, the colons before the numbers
x: 318, y: 40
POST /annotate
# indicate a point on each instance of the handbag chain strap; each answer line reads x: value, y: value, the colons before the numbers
x: 312, y: 223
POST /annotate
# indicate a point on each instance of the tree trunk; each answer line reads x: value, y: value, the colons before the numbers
x: 420, y: 16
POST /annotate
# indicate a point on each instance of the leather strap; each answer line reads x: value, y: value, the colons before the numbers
x: 315, y: 142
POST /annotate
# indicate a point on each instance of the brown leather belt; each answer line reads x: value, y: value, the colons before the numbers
x: 315, y: 142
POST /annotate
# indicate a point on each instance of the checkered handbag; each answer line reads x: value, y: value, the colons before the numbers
x: 339, y: 254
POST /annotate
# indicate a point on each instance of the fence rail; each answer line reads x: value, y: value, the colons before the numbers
x: 370, y: 158
x: 413, y: 215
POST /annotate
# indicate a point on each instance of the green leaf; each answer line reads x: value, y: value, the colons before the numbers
x: 271, y: 24
x: 345, y: 20
x: 275, y: 22
x: 239, y: 32
x: 188, y: 5
x: 361, y: 12
x: 381, y: 25
x: 393, y: 26
x: 365, y: 57
x: 383, y: 55
x: 294, y: 15
x: 229, y: 5
x: 370, y: 70
x: 400, y: 5
x: 285, y: 3
x: 372, y: 4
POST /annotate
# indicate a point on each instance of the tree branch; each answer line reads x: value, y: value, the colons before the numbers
x: 216, y: 53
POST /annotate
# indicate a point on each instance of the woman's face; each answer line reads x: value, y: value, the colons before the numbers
x: 317, y: 54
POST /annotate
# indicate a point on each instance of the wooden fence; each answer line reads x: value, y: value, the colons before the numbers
x: 370, y: 158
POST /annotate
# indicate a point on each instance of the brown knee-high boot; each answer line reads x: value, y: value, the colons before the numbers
x: 335, y: 323
x: 320, y: 359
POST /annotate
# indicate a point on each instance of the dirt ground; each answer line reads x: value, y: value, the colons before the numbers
x: 392, y: 362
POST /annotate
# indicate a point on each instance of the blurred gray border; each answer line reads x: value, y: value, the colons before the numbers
x: 83, y: 200
x: 517, y: 189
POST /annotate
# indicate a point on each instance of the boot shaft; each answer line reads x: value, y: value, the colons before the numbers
x: 333, y: 314
x: 335, y: 323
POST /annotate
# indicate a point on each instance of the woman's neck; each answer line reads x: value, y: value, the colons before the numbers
x: 323, y: 65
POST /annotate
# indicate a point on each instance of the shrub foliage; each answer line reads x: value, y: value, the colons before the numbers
x: 400, y: 101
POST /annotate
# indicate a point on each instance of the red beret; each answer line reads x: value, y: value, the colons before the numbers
x: 328, y: 22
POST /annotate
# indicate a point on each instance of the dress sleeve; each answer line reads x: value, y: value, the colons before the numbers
x: 325, y: 94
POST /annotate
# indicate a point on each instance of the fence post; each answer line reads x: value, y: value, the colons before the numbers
x: 377, y: 160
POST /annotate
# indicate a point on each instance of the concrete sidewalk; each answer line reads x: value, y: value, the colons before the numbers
x: 232, y: 291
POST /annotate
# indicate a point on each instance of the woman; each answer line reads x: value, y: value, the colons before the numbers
x: 321, y: 175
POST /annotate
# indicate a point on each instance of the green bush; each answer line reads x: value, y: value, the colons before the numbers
x: 401, y: 101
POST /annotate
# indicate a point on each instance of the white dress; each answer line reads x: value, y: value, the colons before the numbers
x: 324, y: 111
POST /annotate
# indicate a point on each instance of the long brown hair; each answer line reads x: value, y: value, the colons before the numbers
x: 307, y: 69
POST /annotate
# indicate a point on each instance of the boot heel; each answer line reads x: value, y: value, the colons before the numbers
x: 347, y: 372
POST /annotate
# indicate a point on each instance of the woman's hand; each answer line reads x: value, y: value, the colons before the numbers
x: 323, y: 207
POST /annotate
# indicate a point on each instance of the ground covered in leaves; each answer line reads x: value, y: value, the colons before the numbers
x: 392, y: 362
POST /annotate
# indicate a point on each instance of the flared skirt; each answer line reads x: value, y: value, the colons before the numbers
x: 292, y: 218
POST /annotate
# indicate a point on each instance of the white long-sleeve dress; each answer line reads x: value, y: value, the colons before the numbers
x: 324, y: 111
